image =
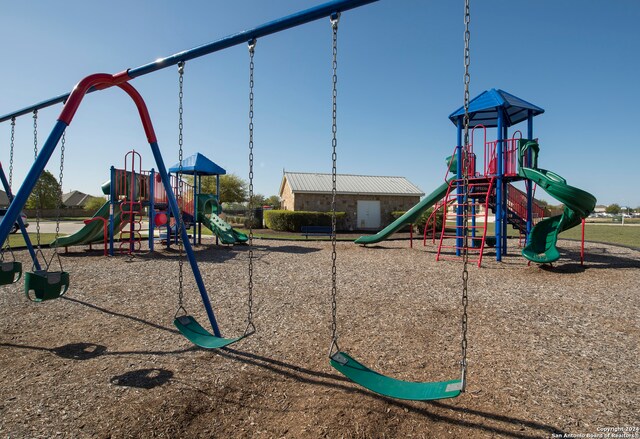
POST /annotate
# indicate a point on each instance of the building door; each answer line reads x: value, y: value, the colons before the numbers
x: 368, y: 214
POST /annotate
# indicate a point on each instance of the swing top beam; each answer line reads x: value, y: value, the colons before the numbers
x: 284, y: 23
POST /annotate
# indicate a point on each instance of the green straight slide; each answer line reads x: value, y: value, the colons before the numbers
x: 92, y: 232
x: 207, y: 215
x: 408, y: 218
x: 578, y: 204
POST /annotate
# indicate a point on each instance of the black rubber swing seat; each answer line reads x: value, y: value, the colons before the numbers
x: 196, y: 334
x: 391, y: 387
x: 46, y: 285
x: 10, y: 272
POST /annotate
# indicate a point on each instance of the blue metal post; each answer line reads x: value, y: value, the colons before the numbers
x: 113, y: 202
x: 199, y: 222
x: 30, y: 180
x: 152, y: 210
x: 499, y: 188
x: 23, y: 229
x: 195, y: 209
x: 505, y: 195
x: 173, y: 205
x: 218, y: 200
x: 459, y: 190
x: 529, y: 183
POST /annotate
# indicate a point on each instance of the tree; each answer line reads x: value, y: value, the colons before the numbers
x: 273, y: 201
x: 257, y: 200
x: 46, y: 194
x: 613, y: 209
x: 233, y: 189
x: 94, y: 204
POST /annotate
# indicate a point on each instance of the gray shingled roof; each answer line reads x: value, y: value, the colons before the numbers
x: 350, y: 184
x: 75, y: 199
x: 4, y: 200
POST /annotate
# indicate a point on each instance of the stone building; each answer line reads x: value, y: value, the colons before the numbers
x: 367, y: 200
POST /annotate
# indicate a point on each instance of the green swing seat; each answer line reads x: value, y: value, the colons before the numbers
x: 196, y: 334
x: 391, y: 387
x: 46, y: 285
x: 10, y: 272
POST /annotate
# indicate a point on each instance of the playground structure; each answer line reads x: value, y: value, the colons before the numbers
x: 132, y: 187
x: 136, y: 195
x: 493, y: 170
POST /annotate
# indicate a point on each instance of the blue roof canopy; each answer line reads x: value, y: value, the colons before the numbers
x: 197, y: 164
x: 483, y: 109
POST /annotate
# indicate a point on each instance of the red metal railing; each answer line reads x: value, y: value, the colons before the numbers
x: 517, y: 203
x: 186, y: 201
x: 478, y: 206
x: 510, y: 156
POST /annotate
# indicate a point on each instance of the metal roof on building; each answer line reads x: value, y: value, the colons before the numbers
x: 350, y: 184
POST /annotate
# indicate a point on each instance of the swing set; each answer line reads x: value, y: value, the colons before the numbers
x: 48, y: 284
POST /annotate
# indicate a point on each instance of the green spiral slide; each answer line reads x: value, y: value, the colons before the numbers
x: 578, y: 204
x: 408, y: 218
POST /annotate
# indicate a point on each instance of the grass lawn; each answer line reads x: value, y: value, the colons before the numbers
x: 16, y: 240
x: 623, y: 235
x: 597, y: 232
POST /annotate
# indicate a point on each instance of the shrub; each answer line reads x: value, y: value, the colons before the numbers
x: 397, y: 214
x: 425, y: 216
x: 292, y: 221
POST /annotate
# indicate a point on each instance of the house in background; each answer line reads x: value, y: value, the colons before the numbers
x: 367, y: 200
x: 76, y: 199
x: 4, y: 200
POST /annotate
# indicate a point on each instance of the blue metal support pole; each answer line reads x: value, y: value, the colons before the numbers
x: 30, y: 180
x: 499, y: 188
x: 459, y: 190
x: 23, y: 229
x: 529, y: 183
x: 152, y: 210
x: 195, y: 209
x: 173, y: 205
x: 199, y: 222
x: 505, y: 194
x: 218, y: 200
x: 113, y: 202
x: 284, y: 23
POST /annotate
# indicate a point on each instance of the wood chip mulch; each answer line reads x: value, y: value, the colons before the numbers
x: 551, y: 350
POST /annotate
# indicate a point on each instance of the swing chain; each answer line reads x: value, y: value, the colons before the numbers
x: 179, y: 223
x: 39, y: 186
x: 465, y: 216
x: 335, y: 18
x: 13, y: 137
x: 250, y: 325
x: 62, y: 145
x: 7, y: 244
x: 55, y: 249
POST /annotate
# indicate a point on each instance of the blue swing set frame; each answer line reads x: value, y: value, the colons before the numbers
x: 186, y: 324
x: 102, y: 81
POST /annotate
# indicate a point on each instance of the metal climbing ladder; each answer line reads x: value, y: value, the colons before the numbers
x: 480, y: 192
x: 131, y: 208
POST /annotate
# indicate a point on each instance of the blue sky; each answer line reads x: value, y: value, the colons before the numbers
x: 400, y: 76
